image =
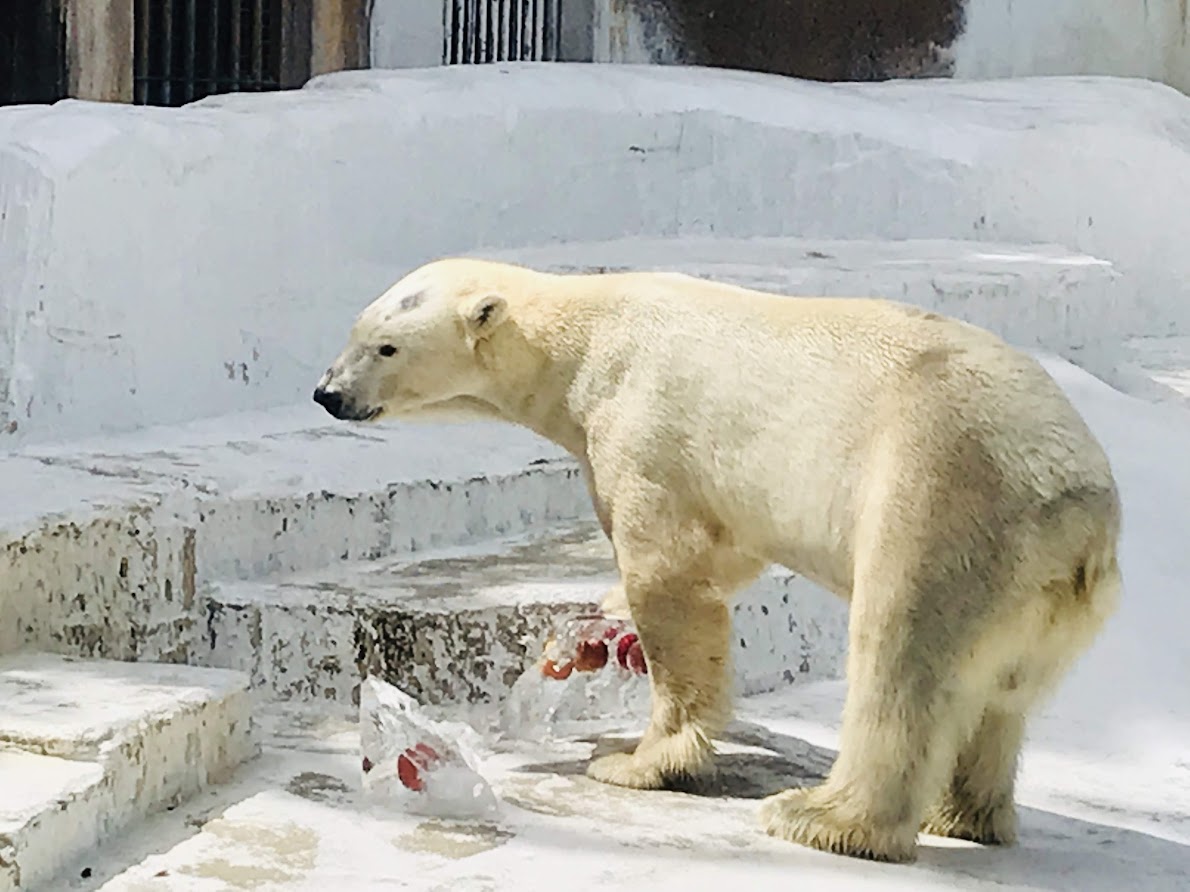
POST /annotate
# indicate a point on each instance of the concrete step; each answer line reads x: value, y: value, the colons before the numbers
x: 1036, y: 296
x: 460, y: 625
x: 51, y: 810
x: 107, y: 546
x: 89, y: 747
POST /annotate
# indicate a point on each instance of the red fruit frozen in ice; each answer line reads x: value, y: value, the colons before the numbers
x: 423, y: 755
x: 408, y: 773
x: 550, y: 669
x: 591, y: 655
x: 622, y: 648
x: 412, y: 762
x: 635, y: 659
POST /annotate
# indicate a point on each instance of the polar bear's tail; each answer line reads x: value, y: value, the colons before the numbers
x: 1081, y: 594
x: 1097, y: 581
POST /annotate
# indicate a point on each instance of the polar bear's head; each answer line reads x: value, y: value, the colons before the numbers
x: 415, y: 349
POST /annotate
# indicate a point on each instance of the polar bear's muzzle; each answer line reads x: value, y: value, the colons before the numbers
x: 344, y: 409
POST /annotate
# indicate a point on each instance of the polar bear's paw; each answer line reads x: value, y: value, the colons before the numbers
x: 809, y: 818
x: 989, y: 826
x: 626, y: 770
x: 679, y: 761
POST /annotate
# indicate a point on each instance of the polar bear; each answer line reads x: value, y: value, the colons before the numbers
x: 912, y: 464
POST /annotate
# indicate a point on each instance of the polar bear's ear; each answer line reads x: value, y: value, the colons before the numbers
x: 482, y: 315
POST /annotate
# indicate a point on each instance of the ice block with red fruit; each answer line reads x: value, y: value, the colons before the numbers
x: 588, y: 644
x: 415, y: 763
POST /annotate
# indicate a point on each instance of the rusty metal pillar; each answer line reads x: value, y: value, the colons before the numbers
x: 340, y: 39
x: 99, y: 35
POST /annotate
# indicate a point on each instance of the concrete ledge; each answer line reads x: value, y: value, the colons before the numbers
x: 89, y: 747
x: 460, y: 626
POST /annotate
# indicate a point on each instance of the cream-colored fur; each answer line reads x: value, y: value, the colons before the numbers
x: 914, y: 465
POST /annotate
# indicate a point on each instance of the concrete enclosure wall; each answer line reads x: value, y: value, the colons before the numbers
x: 1134, y: 38
x: 159, y: 265
x: 407, y: 33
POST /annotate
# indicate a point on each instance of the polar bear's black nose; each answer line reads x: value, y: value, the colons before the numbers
x: 331, y: 400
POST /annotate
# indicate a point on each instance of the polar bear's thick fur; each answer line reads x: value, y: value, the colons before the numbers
x: 915, y: 465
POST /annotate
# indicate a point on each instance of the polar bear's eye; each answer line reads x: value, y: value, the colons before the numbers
x: 387, y: 350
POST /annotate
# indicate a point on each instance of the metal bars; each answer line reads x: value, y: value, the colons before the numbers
x: 32, y: 51
x: 480, y: 31
x: 186, y: 49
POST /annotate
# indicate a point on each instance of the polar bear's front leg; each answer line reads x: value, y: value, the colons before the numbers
x: 678, y: 602
x: 687, y: 675
x: 615, y: 600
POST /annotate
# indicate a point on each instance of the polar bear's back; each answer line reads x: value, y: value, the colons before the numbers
x: 774, y: 406
x: 839, y: 358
